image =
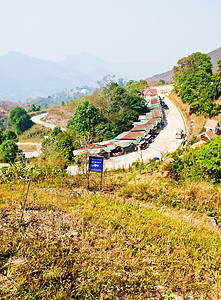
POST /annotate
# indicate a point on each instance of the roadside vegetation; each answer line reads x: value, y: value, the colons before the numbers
x: 19, y: 120
x: 8, y: 147
x: 203, y: 162
x: 197, y: 85
x: 34, y: 134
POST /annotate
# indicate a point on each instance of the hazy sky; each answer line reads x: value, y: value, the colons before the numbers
x: 114, y: 30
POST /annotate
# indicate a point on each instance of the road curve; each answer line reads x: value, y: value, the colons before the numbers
x: 163, y: 144
x: 37, y: 120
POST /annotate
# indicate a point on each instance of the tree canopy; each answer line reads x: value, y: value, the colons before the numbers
x: 202, y: 162
x: 60, y: 143
x: 217, y: 79
x: 194, y: 83
x: 8, y: 151
x: 117, y: 107
x: 85, y: 118
x: 19, y: 119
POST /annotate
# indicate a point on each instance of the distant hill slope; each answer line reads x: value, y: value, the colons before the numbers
x: 168, y: 76
x: 23, y: 77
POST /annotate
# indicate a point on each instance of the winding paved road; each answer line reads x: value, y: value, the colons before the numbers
x: 37, y: 120
x: 164, y: 143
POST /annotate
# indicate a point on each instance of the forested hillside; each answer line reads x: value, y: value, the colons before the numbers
x: 168, y: 76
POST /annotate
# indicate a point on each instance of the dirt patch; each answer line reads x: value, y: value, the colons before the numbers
x: 29, y: 147
x: 58, y: 117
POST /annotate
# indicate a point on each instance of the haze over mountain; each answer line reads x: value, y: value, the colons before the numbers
x: 168, y: 76
x: 23, y: 77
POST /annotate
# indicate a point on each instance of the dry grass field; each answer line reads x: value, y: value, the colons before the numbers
x: 143, y: 236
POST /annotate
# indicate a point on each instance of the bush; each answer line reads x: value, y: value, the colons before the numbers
x: 19, y: 119
x: 43, y: 173
x: 8, y: 151
x: 203, y: 162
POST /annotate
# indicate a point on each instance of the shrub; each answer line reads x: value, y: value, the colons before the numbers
x: 8, y: 151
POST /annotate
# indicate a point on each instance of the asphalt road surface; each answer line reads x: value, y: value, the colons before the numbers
x: 37, y: 120
x: 163, y: 144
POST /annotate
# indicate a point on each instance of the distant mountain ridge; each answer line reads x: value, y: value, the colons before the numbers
x: 168, y: 76
x: 23, y: 77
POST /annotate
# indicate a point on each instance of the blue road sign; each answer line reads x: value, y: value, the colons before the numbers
x: 96, y: 163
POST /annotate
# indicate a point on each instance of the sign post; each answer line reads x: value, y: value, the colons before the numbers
x: 96, y: 164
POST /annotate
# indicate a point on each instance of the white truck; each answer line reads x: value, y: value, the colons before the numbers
x: 179, y: 134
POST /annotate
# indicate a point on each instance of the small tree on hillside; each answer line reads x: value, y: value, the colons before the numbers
x: 2, y: 137
x: 85, y: 118
x: 19, y: 119
x: 8, y: 151
x: 10, y: 135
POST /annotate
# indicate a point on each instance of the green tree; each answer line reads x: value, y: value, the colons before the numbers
x: 2, y: 137
x: 10, y: 135
x: 61, y: 143
x: 55, y: 131
x: 217, y: 80
x: 19, y: 119
x: 136, y: 87
x: 65, y: 145
x: 85, y: 118
x: 37, y: 107
x: 193, y: 82
x: 202, y: 162
x: 8, y: 151
x: 191, y: 64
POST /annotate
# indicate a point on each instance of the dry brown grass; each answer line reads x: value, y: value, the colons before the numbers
x: 29, y: 147
x: 129, y: 241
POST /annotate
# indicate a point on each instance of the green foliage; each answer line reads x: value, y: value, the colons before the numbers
x: 55, y: 131
x: 193, y: 82
x: 203, y: 162
x: 136, y: 87
x: 2, y: 137
x: 123, y: 120
x: 3, y: 122
x: 85, y: 118
x: 33, y: 107
x: 162, y: 81
x: 18, y: 171
x: 35, y: 133
x: 10, y: 135
x: 62, y: 143
x: 19, y: 119
x: 8, y: 151
x: 139, y: 165
x: 217, y: 79
x: 65, y: 145
x: 105, y: 131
